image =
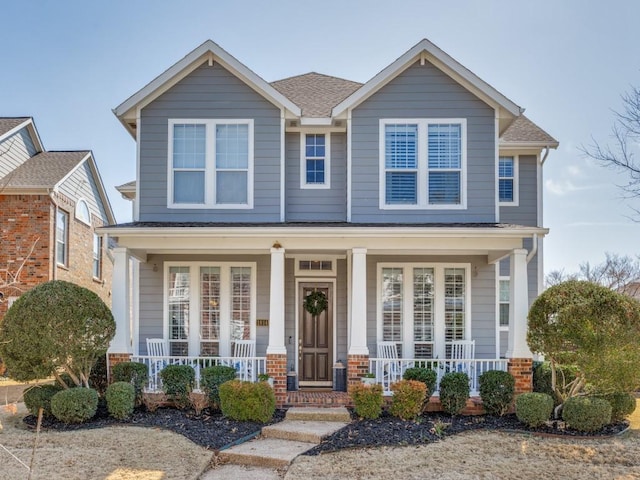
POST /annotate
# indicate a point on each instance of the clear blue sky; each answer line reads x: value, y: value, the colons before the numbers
x: 68, y: 63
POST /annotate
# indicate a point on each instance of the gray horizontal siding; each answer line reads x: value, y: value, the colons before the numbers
x: 526, y: 213
x: 82, y: 185
x: 16, y: 149
x: 209, y: 93
x: 316, y: 204
x: 423, y: 92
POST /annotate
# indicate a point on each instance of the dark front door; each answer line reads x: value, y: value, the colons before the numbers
x: 315, y: 341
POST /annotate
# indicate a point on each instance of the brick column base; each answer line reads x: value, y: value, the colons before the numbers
x: 522, y: 371
x: 357, y: 366
x: 277, y: 369
x: 115, y: 358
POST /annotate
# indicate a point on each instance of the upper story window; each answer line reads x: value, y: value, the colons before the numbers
x: 507, y: 180
x: 422, y: 164
x: 210, y: 164
x: 315, y: 166
x: 82, y: 212
x: 97, y: 256
x: 62, y: 237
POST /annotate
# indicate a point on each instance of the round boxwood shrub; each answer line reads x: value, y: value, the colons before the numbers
x: 496, y: 391
x: 40, y: 396
x: 212, y: 377
x: 246, y: 401
x: 534, y: 409
x: 75, y: 405
x: 408, y: 399
x: 454, y: 392
x: 586, y: 414
x: 137, y: 374
x: 367, y: 400
x: 622, y: 405
x: 121, y: 399
x: 178, y: 382
x: 425, y: 375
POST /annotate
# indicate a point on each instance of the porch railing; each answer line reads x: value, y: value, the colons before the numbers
x: 247, y: 368
x: 389, y: 371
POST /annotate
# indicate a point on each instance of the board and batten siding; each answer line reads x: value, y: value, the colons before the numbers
x: 316, y: 204
x: 82, y: 185
x: 16, y: 149
x: 209, y: 93
x: 526, y: 212
x: 423, y: 91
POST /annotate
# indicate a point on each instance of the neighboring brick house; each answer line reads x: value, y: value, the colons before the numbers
x: 50, y: 206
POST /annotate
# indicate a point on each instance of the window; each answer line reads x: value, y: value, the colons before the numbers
x: 209, y: 306
x: 423, y: 308
x: 82, y: 212
x: 62, y: 237
x: 315, y: 165
x: 423, y: 163
x: 507, y: 184
x: 503, y: 302
x: 210, y: 164
x: 97, y: 256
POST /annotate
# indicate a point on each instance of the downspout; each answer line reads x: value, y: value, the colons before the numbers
x: 546, y: 154
x: 52, y: 249
x: 534, y: 248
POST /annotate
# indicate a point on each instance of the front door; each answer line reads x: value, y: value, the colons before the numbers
x: 315, y: 341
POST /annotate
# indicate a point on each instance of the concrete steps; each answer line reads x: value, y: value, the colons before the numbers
x: 265, y: 452
x: 333, y: 414
x: 302, y: 430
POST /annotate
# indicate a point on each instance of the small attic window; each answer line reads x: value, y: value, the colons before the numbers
x: 82, y: 212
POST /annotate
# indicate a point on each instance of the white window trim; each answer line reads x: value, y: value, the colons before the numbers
x: 422, y: 148
x: 516, y: 181
x: 65, y: 240
x: 210, y: 164
x: 77, y: 211
x: 98, y: 258
x: 408, y: 342
x: 303, y: 160
x: 499, y: 328
x: 194, y: 303
x: 316, y: 273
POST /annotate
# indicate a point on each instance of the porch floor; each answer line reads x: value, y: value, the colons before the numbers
x: 315, y: 398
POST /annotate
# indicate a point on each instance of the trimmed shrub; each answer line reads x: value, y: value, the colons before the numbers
x: 177, y: 383
x: 40, y: 397
x: 425, y: 375
x: 137, y: 374
x: 66, y: 378
x: 246, y: 401
x: 542, y: 378
x: 367, y: 400
x: 534, y: 409
x: 408, y: 399
x: 622, y: 405
x: 75, y: 405
x: 121, y: 399
x: 496, y: 391
x: 98, y: 379
x: 212, y: 377
x: 586, y: 414
x: 454, y: 392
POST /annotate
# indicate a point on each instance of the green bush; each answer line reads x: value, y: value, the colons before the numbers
x: 74, y: 405
x: 177, y: 383
x: 425, y: 375
x: 454, y: 392
x: 534, y: 409
x: 212, y: 377
x: 542, y: 378
x: 246, y: 401
x: 622, y: 405
x: 98, y: 379
x: 496, y: 391
x: 586, y: 414
x: 66, y: 378
x: 40, y: 397
x: 121, y: 399
x: 408, y: 399
x: 137, y: 374
x: 367, y: 400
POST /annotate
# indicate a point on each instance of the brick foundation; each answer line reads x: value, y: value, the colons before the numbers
x: 522, y: 371
x: 115, y: 358
x: 357, y: 366
x: 277, y: 369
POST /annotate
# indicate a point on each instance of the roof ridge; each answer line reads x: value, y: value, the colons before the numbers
x: 316, y: 73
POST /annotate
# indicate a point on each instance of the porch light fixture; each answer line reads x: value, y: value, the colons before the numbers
x: 276, y: 245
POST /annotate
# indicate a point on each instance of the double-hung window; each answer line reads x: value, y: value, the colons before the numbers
x: 315, y: 164
x: 210, y: 164
x: 97, y: 256
x: 62, y: 237
x: 507, y: 180
x: 423, y: 163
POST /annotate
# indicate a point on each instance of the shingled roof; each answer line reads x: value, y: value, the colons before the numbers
x: 44, y: 170
x: 316, y: 94
x: 9, y: 123
x: 523, y: 130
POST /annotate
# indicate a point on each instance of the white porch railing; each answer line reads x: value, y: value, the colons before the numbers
x: 389, y: 371
x: 247, y: 368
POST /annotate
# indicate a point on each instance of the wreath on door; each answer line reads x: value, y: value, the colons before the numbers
x: 315, y: 303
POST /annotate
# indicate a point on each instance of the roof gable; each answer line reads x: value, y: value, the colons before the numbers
x: 11, y: 125
x: 523, y: 132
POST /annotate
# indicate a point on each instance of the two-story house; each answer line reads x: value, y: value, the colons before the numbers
x: 51, y: 204
x: 321, y: 217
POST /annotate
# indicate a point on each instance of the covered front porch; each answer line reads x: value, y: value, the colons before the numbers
x: 421, y: 287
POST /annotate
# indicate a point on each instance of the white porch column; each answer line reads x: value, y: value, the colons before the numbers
x: 519, y: 296
x: 120, y: 302
x: 358, y: 330
x: 276, y: 304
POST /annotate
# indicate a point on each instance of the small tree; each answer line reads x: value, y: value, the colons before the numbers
x: 592, y: 327
x: 57, y: 326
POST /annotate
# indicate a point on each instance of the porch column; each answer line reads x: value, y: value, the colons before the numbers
x: 518, y: 353
x: 276, y: 350
x: 358, y: 354
x: 120, y: 348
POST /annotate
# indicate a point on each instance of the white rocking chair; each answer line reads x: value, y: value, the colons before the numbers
x: 390, y: 368
x: 462, y: 350
x: 244, y: 352
x: 157, y: 349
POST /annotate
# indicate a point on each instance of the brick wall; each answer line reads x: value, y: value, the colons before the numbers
x: 357, y: 366
x: 277, y: 369
x: 522, y: 371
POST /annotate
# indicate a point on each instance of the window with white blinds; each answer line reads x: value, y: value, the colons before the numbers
x: 507, y: 184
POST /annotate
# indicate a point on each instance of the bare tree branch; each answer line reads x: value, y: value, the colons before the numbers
x: 11, y: 278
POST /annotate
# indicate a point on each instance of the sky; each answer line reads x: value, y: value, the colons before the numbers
x: 69, y: 63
